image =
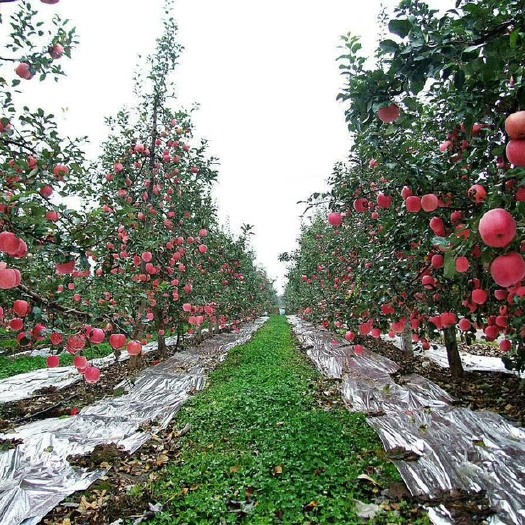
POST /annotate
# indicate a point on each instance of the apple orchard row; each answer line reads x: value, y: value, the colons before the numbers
x: 145, y: 256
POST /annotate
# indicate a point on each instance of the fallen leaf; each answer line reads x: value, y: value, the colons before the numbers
x: 366, y: 477
x: 235, y: 468
x: 278, y: 470
x: 162, y: 460
x: 311, y: 506
x: 366, y: 510
x: 155, y: 508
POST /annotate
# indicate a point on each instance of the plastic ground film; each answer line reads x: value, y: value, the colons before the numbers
x: 36, y: 476
x: 436, y: 447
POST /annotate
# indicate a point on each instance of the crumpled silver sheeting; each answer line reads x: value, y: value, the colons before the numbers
x: 457, y: 448
x: 35, y: 477
x: 334, y: 358
x: 22, y: 386
x: 470, y: 362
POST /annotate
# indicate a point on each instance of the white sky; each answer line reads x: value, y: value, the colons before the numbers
x: 264, y: 74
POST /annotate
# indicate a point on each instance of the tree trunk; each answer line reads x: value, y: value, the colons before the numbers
x: 406, y: 340
x: 454, y: 360
x: 163, y: 349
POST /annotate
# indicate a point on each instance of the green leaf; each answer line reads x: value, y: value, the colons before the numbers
x: 400, y: 27
x: 389, y: 46
x: 459, y: 79
x: 449, y: 270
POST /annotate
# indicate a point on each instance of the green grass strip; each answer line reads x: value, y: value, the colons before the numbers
x: 13, y: 365
x: 261, y: 450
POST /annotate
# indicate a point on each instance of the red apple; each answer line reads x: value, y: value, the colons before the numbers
x: 53, y: 361
x: 56, y: 51
x: 429, y: 202
x: 497, y: 228
x: 97, y: 335
x: 479, y: 296
x: 465, y: 324
x: 23, y: 70
x: 389, y: 114
x: 335, y: 219
x: 134, y: 347
x: 21, y: 308
x: 515, y: 125
x: 516, y: 152
x: 413, y: 204
x: 508, y: 269
x: 462, y: 264
x: 91, y: 374
x: 117, y: 341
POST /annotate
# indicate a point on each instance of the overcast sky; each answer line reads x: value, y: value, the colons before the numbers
x: 265, y: 76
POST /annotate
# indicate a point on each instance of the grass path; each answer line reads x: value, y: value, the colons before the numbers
x: 262, y: 450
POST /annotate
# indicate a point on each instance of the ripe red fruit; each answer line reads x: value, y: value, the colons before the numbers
x: 46, y: 191
x: 438, y: 261
x: 9, y: 243
x: 23, y: 70
x: 479, y: 296
x: 406, y: 192
x: 75, y: 343
x: 413, y: 204
x: 448, y: 319
x: 389, y: 114
x: 60, y: 171
x: 478, y: 193
x: 80, y: 362
x: 445, y: 146
x: 53, y: 361
x: 56, y: 338
x: 21, y: 307
x: 97, y: 335
x: 56, y: 51
x: 437, y: 226
x: 462, y: 264
x: 465, y: 324
x: 9, y: 278
x: 203, y: 248
x: 505, y: 345
x: 16, y: 324
x: 92, y: 374
x: 508, y: 269
x: 384, y: 201
x: 376, y: 333
x: 429, y: 202
x: 66, y: 268
x: 497, y: 228
x: 364, y: 328
x: 53, y: 216
x: 515, y: 125
x: 134, y: 348
x: 117, y: 341
x: 428, y: 282
x: 147, y: 256
x: 361, y: 205
x: 491, y: 332
x: 335, y: 219
x: 350, y: 336
x: 516, y: 152
x: 358, y: 349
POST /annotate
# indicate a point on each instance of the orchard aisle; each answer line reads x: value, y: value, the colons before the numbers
x: 451, y: 456
x: 270, y: 444
x: 37, y: 474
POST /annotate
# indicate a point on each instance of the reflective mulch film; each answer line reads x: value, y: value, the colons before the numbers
x: 435, y: 446
x: 22, y: 386
x: 36, y: 476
